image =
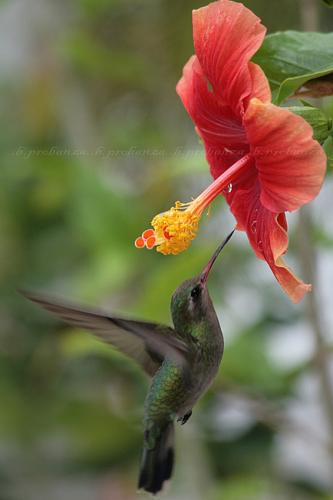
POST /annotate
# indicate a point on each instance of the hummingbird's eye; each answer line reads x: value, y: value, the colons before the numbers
x: 195, y: 292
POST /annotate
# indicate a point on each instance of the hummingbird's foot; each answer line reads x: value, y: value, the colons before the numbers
x: 185, y: 418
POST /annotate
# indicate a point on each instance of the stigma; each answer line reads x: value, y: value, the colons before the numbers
x: 173, y: 230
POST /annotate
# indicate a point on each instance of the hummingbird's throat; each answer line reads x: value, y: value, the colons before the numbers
x: 174, y: 230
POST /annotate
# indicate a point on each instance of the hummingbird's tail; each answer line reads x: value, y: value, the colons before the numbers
x: 157, y: 462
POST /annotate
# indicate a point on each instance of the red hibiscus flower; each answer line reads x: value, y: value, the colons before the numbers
x: 263, y: 158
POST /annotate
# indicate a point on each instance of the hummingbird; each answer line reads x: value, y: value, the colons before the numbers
x: 182, y: 361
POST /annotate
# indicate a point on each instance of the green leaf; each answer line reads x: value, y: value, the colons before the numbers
x: 329, y: 3
x: 322, y: 126
x: 292, y: 58
x: 328, y: 148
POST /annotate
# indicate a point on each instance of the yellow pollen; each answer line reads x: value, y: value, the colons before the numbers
x: 176, y: 228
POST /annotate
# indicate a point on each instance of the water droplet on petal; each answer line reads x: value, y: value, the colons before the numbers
x: 254, y: 227
x: 260, y: 245
x: 228, y: 189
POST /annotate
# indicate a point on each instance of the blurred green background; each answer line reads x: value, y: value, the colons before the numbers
x: 94, y: 142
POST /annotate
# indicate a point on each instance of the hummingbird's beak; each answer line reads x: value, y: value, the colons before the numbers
x: 205, y: 273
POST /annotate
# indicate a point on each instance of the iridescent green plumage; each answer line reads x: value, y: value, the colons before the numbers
x: 182, y: 361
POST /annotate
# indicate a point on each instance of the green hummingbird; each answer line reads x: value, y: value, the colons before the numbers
x: 182, y: 361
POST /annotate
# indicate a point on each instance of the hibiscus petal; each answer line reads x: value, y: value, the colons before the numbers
x: 226, y: 35
x: 222, y: 132
x: 260, y: 86
x: 290, y: 163
x: 267, y: 233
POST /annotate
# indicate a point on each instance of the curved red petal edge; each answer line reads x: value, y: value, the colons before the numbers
x: 217, y: 125
x: 267, y: 233
x: 226, y: 35
x: 291, y: 284
x: 260, y: 86
x: 290, y: 163
x: 220, y: 128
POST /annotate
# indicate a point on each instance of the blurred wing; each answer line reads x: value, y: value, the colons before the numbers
x: 146, y: 343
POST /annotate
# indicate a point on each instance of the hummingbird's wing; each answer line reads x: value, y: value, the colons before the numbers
x: 146, y: 343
